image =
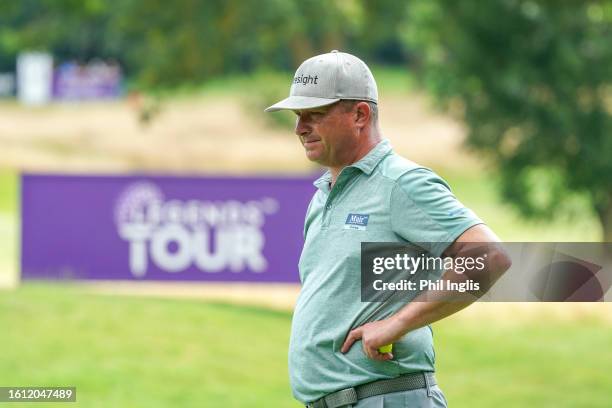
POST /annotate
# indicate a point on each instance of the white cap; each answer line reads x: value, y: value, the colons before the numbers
x: 326, y: 79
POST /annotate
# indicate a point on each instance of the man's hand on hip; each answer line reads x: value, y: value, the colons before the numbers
x: 374, y: 335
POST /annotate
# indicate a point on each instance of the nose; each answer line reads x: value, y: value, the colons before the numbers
x: 302, y: 128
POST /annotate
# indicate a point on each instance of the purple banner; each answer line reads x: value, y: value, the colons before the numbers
x: 162, y: 228
x: 96, y: 80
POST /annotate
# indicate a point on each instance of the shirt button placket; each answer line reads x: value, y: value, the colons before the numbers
x: 332, y: 196
x: 327, y: 214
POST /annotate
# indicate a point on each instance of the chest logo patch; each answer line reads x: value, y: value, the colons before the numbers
x: 357, y: 221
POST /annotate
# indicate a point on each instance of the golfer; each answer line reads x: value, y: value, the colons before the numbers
x: 368, y: 194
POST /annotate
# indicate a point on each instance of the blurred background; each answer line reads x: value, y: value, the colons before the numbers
x: 509, y: 100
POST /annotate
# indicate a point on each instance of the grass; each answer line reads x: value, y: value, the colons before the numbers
x: 8, y: 225
x: 139, y: 352
x: 131, y: 352
x: 8, y: 192
x: 537, y: 363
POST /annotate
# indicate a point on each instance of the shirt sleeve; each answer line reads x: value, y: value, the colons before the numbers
x: 425, y: 212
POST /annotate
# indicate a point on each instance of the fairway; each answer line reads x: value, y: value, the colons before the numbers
x: 148, y: 352
x: 132, y: 352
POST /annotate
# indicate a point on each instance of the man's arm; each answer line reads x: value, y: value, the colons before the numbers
x: 425, y: 309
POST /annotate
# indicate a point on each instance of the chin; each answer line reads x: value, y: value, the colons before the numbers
x: 313, y: 156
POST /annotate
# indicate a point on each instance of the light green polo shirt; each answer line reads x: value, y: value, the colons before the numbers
x: 404, y: 202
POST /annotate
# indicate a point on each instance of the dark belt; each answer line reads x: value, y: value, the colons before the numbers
x: 405, y: 382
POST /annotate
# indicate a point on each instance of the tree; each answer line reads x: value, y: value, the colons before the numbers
x: 532, y: 81
x: 168, y: 46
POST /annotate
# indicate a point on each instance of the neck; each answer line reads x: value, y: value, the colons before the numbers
x: 362, y: 150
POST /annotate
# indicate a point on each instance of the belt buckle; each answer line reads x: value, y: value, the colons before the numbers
x: 342, y: 397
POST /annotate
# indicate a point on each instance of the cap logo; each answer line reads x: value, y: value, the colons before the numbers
x: 305, y: 79
x: 327, y: 78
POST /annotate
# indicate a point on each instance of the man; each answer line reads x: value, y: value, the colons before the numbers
x: 334, y: 356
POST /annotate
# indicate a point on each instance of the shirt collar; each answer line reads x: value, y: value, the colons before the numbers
x: 374, y: 156
x: 366, y: 164
x: 322, y: 183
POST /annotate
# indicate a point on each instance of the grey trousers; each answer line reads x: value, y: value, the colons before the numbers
x: 421, y: 398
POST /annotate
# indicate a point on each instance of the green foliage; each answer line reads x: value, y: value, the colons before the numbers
x: 71, y: 29
x: 532, y: 80
x: 264, y: 90
x: 478, y: 191
x: 197, y: 40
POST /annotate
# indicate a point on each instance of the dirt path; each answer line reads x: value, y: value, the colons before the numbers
x: 203, y: 134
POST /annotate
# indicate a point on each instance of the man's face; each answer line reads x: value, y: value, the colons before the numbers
x: 327, y: 134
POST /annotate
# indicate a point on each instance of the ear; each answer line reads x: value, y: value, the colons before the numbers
x: 362, y: 114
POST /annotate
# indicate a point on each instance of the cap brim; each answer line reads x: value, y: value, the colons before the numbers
x: 300, y: 102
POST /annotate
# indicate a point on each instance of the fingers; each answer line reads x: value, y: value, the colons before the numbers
x: 374, y: 354
x: 385, y: 357
x: 371, y: 352
x: 352, y: 337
